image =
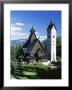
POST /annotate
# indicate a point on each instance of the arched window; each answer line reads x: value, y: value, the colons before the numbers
x: 53, y: 36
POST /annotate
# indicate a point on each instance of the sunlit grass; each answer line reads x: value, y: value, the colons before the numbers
x: 30, y: 73
x: 38, y: 71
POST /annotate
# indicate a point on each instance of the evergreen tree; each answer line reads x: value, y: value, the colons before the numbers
x: 58, y: 45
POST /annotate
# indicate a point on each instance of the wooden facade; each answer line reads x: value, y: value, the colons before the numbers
x: 32, y: 50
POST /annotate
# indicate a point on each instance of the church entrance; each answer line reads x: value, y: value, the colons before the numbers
x: 38, y: 55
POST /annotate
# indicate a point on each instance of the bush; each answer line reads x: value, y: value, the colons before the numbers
x: 12, y: 69
x: 58, y: 63
x: 16, y: 69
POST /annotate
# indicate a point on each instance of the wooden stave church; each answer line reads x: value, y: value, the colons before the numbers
x: 32, y: 50
x: 27, y: 47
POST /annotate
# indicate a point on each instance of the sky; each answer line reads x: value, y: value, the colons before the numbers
x: 22, y: 22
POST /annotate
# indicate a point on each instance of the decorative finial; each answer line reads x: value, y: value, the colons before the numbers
x: 52, y: 22
x: 32, y: 30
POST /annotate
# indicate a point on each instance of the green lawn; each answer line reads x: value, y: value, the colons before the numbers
x: 38, y: 71
x: 29, y: 73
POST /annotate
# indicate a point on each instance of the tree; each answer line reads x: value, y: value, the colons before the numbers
x: 45, y: 44
x: 16, y: 67
x: 13, y: 53
x: 58, y: 45
x: 14, y: 50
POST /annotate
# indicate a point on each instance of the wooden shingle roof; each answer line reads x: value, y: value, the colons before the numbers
x: 29, y: 45
x: 51, y: 25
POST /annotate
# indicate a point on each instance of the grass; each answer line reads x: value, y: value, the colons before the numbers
x: 39, y: 71
x: 20, y: 77
x: 29, y: 73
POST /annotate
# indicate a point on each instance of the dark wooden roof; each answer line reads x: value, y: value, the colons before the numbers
x: 32, y: 30
x: 51, y: 25
x: 28, y: 43
x: 30, y: 46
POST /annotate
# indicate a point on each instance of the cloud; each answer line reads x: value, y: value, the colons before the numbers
x: 17, y: 32
x: 19, y: 35
x: 15, y: 28
x: 37, y: 33
x: 40, y: 37
x: 19, y: 24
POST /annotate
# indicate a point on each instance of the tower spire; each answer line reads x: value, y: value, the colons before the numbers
x: 51, y: 37
x: 32, y: 30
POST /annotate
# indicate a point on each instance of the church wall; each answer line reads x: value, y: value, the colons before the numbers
x: 37, y: 45
x: 49, y: 41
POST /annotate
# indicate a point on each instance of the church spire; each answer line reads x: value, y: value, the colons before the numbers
x: 51, y: 24
x: 51, y: 38
x: 32, y: 30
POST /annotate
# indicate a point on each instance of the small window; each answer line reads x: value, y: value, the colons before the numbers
x: 53, y: 36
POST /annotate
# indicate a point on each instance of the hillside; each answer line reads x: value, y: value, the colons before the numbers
x: 18, y: 42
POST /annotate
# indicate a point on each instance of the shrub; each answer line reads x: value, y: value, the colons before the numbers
x: 12, y: 69
x: 58, y: 63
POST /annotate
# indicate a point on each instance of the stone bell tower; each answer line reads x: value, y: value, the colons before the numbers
x: 51, y: 38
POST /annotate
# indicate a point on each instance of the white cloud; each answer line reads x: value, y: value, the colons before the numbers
x: 15, y: 28
x: 16, y: 32
x: 19, y: 35
x: 37, y: 33
x: 19, y: 24
x: 40, y: 37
